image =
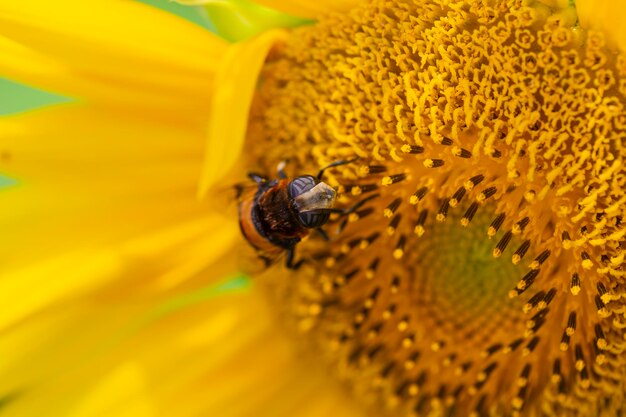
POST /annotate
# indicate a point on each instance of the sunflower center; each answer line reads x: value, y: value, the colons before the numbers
x: 478, y: 263
x: 464, y: 288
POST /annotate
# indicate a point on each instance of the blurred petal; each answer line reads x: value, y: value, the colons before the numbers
x: 109, y: 196
x: 310, y: 8
x: 108, y: 50
x: 302, y: 8
x: 223, y: 356
x: 237, y: 20
x: 235, y: 83
x: 605, y: 16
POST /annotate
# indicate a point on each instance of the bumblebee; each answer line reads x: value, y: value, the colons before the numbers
x: 279, y: 213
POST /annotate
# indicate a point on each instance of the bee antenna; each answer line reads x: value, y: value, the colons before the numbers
x: 335, y: 164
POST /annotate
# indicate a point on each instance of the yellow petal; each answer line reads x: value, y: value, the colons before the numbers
x: 111, y: 199
x: 310, y: 8
x: 301, y: 8
x: 235, y: 84
x: 222, y: 357
x: 108, y: 50
x: 605, y: 16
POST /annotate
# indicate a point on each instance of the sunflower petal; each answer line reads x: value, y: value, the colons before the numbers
x: 237, y: 20
x: 223, y: 356
x: 235, y: 84
x: 302, y: 8
x: 108, y: 50
x: 108, y: 200
x: 605, y: 16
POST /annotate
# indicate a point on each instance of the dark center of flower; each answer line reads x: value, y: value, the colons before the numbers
x: 483, y: 272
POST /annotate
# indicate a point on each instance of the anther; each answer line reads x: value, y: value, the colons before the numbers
x: 376, y: 169
x: 366, y: 188
x: 603, y: 293
x: 418, y: 195
x: 399, y: 250
x: 496, y: 153
x: 540, y: 259
x: 484, y: 374
x: 457, y: 197
x: 473, y: 182
x: 433, y: 163
x: 360, y: 214
x: 392, y: 207
x: 461, y: 153
x: 518, y: 401
x: 495, y: 225
x: 502, y: 244
x: 371, y: 300
x: 523, y: 376
x: 520, y: 252
x: 586, y: 260
x: 574, y: 286
x: 533, y: 301
x: 602, y: 310
x: 412, y: 149
x: 513, y: 345
x: 520, y: 225
x: 469, y: 214
x: 486, y: 193
x: 446, y: 141
x: 419, y: 225
x: 371, y: 269
x: 491, y: 350
x: 580, y: 359
x: 556, y: 371
x: 564, y: 345
x: 526, y: 281
x: 530, y: 346
x: 393, y: 224
x: 443, y: 210
x: 571, y: 324
x: 389, y: 312
x: 392, y: 179
x: 601, y: 342
x: 395, y: 285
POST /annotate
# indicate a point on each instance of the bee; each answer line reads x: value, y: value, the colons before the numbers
x: 276, y: 215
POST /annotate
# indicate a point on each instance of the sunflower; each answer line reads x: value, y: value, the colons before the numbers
x: 477, y: 268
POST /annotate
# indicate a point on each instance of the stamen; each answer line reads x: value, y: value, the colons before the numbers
x: 473, y: 182
x: 486, y: 193
x: 443, y: 210
x: 412, y: 149
x: 495, y: 225
x: 457, y: 197
x: 520, y: 225
x: 392, y: 207
x: 393, y: 179
x: 540, y: 259
x: 376, y: 169
x: 433, y: 163
x: 502, y: 244
x: 520, y: 252
x: 393, y: 225
x: 419, y: 225
x: 469, y: 214
x: 575, y: 284
x: 418, y: 195
x: 461, y: 153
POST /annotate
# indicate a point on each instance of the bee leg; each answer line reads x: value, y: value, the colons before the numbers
x: 335, y: 164
x: 322, y: 233
x: 291, y: 252
x: 259, y: 179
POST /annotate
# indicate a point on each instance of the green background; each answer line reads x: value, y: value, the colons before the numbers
x: 15, y: 97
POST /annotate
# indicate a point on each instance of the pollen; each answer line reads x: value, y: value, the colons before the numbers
x: 476, y: 262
